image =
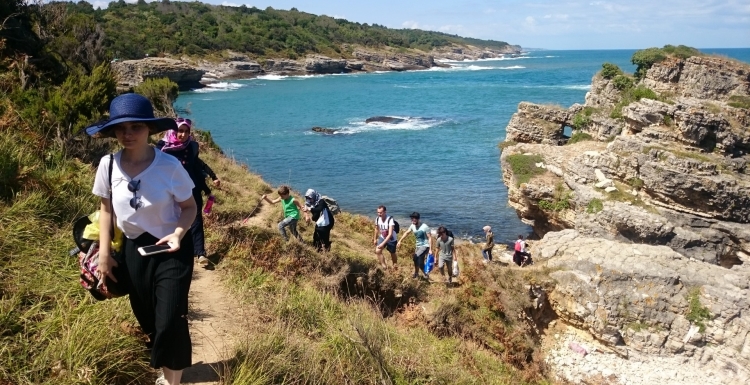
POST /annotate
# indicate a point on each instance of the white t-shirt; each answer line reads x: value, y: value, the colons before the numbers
x: 383, y: 227
x: 163, y: 183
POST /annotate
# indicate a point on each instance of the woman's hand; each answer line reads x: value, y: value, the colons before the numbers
x: 217, y: 182
x: 172, y: 240
x: 106, y: 264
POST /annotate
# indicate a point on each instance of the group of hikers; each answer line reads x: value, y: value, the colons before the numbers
x: 385, y: 235
x: 154, y: 196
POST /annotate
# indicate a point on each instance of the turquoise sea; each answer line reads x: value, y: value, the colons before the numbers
x: 442, y: 161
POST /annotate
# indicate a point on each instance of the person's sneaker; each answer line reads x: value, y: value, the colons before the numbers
x: 202, y: 260
x: 414, y: 276
x: 485, y: 261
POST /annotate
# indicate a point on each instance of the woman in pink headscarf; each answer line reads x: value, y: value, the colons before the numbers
x: 180, y: 144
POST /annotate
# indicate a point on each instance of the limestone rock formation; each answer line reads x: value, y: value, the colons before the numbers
x: 650, y: 212
x: 323, y: 130
x: 651, y: 299
x: 325, y: 65
x: 131, y: 73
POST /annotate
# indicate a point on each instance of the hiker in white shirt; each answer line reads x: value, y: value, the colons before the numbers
x: 385, y: 237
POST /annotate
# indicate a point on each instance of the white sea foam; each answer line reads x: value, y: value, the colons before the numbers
x: 473, y: 68
x: 409, y: 123
x: 494, y: 59
x: 220, y: 86
x: 570, y: 87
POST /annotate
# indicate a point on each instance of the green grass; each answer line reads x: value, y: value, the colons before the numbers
x: 524, y: 167
x: 579, y: 136
x: 506, y: 144
x: 561, y: 200
x: 697, y: 314
x: 739, y: 101
x: 594, y: 206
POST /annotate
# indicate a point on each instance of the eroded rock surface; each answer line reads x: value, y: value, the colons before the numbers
x: 130, y: 73
x: 651, y: 211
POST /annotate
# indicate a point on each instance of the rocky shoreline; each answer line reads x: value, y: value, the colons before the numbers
x: 190, y: 73
x: 645, y: 223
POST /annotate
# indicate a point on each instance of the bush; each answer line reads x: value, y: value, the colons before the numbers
x: 697, y: 313
x: 579, y: 137
x: 632, y: 95
x: 739, y: 101
x: 594, y: 206
x: 610, y: 70
x: 561, y: 200
x: 524, y: 167
x: 636, y: 183
x: 623, y: 82
x: 581, y: 121
x: 162, y: 93
x: 646, y: 58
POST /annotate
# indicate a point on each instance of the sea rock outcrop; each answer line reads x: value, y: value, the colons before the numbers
x: 130, y: 73
x: 474, y: 53
x: 325, y: 65
x: 647, y: 214
x: 652, y: 300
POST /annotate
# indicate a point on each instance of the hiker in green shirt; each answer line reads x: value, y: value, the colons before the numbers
x: 291, y: 212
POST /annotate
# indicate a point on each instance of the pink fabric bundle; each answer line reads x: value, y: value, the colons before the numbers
x: 171, y: 143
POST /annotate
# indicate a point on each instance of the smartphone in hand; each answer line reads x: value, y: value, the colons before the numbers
x: 153, y: 249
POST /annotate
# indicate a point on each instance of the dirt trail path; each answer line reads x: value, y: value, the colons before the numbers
x: 216, y: 321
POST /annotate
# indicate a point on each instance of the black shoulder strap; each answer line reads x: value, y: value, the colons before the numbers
x: 111, y: 208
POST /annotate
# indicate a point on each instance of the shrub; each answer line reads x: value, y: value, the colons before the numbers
x: 646, y: 58
x: 697, y: 313
x: 739, y: 101
x: 630, y: 96
x: 561, y: 200
x: 594, y: 206
x: 162, y: 93
x: 610, y: 70
x: 623, y: 82
x: 581, y: 121
x: 579, y: 136
x: 667, y: 120
x: 636, y: 183
x: 524, y: 167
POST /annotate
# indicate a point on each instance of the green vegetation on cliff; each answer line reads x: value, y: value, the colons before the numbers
x: 316, y: 315
x: 646, y: 58
x: 133, y: 30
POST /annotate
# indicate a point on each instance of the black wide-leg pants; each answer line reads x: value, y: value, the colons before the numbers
x: 159, y: 286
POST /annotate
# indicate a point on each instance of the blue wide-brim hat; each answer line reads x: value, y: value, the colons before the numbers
x: 130, y: 108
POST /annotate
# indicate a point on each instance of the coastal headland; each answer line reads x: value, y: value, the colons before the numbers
x: 192, y: 72
x: 643, y: 215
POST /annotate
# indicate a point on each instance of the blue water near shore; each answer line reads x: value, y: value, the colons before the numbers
x: 442, y: 161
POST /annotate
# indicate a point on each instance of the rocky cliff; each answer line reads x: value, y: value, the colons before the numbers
x: 644, y: 213
x: 130, y: 73
x: 189, y: 73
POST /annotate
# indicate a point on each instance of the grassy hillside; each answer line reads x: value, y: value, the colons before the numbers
x: 320, y: 318
x: 130, y: 31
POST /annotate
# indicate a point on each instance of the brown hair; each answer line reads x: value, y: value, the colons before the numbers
x: 283, y: 190
x: 382, y: 207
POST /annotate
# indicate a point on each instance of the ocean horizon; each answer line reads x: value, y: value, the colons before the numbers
x: 440, y: 158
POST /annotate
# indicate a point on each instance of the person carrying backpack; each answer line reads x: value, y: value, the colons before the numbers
x: 423, y: 240
x: 520, y: 255
x: 385, y: 237
x: 317, y: 210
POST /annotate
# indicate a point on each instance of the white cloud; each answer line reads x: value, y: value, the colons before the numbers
x: 452, y: 28
x: 489, y: 11
x: 100, y: 4
x: 228, y: 4
x: 557, y: 17
x: 410, y: 24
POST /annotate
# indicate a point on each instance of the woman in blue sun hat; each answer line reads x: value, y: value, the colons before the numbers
x: 152, y: 200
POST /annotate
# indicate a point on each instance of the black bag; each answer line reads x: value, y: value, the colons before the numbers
x: 396, y: 226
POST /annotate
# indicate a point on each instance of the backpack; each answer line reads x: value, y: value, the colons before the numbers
x: 333, y: 206
x: 396, y: 226
x: 518, y: 245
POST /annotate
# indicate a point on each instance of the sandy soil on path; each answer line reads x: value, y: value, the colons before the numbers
x: 216, y: 322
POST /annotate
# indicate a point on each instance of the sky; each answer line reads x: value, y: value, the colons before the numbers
x: 550, y: 24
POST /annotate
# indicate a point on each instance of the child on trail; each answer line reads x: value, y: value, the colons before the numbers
x: 423, y: 240
x: 291, y: 209
x: 385, y: 237
x: 447, y: 254
x: 489, y: 244
x: 520, y: 256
